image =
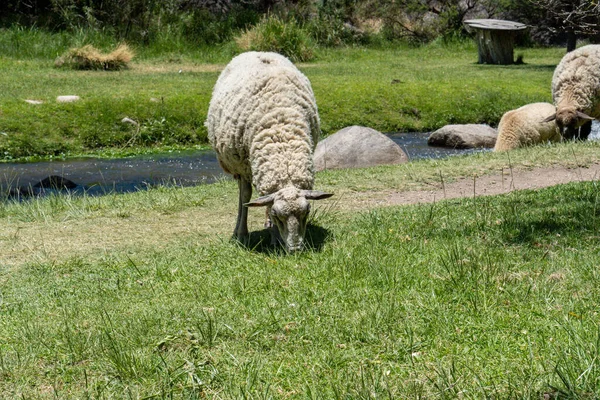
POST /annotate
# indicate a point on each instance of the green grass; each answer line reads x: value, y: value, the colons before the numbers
x: 486, y: 298
x: 142, y: 295
x: 398, y: 88
x: 492, y: 297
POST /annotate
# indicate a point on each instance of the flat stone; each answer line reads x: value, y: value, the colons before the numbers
x: 128, y: 120
x: 67, y: 99
x: 468, y: 136
x: 357, y: 147
x: 34, y: 101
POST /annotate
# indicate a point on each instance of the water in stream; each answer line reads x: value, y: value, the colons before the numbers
x: 187, y: 168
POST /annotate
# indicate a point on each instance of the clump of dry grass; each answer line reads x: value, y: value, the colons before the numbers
x: 88, y: 57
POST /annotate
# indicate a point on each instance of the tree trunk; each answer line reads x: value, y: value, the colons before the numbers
x: 495, y: 46
x: 571, y: 40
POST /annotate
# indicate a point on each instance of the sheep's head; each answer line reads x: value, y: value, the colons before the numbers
x: 288, y: 208
x: 568, y: 120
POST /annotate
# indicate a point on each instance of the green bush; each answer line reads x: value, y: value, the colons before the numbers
x: 330, y: 30
x: 274, y: 34
x: 204, y: 27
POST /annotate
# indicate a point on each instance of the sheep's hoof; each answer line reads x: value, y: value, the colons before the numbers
x: 243, y: 238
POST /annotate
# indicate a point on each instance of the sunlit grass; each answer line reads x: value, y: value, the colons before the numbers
x: 486, y: 297
x: 397, y: 88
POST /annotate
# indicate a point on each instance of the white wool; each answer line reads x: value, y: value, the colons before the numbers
x: 525, y: 126
x: 576, y: 81
x: 263, y: 122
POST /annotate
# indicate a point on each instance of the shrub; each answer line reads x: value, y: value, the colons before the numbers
x: 88, y: 57
x: 329, y: 30
x: 274, y: 34
x: 204, y: 27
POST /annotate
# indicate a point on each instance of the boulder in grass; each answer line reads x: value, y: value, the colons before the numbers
x: 469, y: 136
x: 357, y: 147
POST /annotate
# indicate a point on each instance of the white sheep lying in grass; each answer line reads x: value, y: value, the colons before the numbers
x: 264, y: 124
x: 526, y: 126
x: 576, y: 92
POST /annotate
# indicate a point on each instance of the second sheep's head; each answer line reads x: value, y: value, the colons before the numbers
x: 568, y: 120
x: 288, y: 210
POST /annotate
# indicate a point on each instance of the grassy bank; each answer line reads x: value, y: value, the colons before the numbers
x: 398, y: 88
x: 142, y: 295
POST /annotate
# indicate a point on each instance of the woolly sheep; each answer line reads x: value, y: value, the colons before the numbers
x: 263, y: 124
x: 526, y: 126
x: 576, y: 91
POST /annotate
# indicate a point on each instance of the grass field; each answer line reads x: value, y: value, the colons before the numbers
x: 399, y: 88
x: 143, y: 296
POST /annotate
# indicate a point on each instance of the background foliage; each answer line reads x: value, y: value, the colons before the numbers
x: 328, y: 22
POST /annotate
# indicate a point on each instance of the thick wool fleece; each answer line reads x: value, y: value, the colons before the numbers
x: 576, y: 81
x: 525, y: 126
x: 263, y: 122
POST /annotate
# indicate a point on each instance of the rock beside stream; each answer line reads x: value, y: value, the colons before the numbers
x: 468, y: 136
x: 50, y: 183
x: 357, y: 147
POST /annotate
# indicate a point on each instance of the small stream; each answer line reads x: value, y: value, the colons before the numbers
x: 96, y: 176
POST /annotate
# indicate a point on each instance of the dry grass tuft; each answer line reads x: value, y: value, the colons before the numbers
x: 88, y: 57
x: 245, y: 40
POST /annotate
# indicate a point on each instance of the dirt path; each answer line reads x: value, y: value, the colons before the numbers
x: 97, y: 237
x: 488, y: 185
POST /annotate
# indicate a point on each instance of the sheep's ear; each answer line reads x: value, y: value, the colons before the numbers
x: 583, y: 116
x: 550, y: 118
x: 261, y: 201
x: 315, y: 195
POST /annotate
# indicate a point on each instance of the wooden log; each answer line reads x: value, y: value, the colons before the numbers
x: 495, y: 47
x: 495, y: 39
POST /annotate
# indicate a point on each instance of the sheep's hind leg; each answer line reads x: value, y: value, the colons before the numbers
x: 245, y: 193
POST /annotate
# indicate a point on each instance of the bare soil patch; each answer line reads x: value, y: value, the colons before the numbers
x: 495, y: 184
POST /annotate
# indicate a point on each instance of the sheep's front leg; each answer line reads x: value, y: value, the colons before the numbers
x: 245, y: 193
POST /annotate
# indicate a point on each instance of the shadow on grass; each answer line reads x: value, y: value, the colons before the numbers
x: 260, y: 241
x: 524, y: 65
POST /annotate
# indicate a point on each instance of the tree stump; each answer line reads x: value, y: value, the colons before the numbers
x: 495, y: 39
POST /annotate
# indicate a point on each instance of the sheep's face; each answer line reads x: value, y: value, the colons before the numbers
x: 288, y: 210
x: 566, y: 120
x: 569, y: 119
x: 289, y: 213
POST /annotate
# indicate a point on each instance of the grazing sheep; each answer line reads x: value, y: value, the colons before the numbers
x: 576, y: 92
x: 264, y: 124
x: 525, y: 126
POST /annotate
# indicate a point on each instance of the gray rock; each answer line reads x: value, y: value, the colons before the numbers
x: 357, y: 147
x: 56, y: 182
x: 469, y: 136
x: 128, y: 120
x: 36, y: 102
x: 67, y: 99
